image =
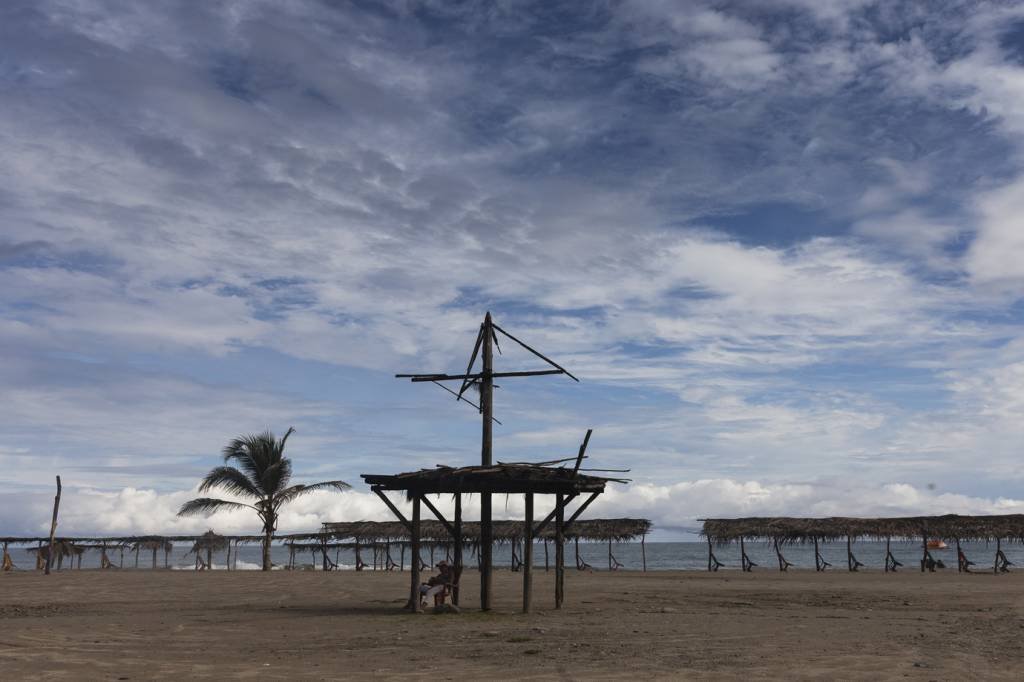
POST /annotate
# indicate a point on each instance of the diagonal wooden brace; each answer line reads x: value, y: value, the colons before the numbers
x: 393, y: 508
x: 435, y: 512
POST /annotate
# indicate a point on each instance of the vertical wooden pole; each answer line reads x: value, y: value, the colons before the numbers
x: 154, y: 557
x: 458, y: 546
x: 528, y: 555
x: 559, y: 551
x: 959, y: 564
x: 999, y: 548
x: 546, y: 566
x: 487, y: 412
x: 743, y: 556
x: 53, y: 527
x: 888, y: 551
x: 849, y: 554
x: 709, y: 555
x: 643, y: 551
x: 817, y: 562
x: 610, y: 554
x: 924, y: 549
x: 414, y: 568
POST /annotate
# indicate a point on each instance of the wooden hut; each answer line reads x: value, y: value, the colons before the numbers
x: 524, y: 479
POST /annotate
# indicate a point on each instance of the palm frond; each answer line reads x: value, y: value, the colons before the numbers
x: 289, y: 494
x: 280, y: 444
x: 277, y: 476
x: 241, y: 451
x: 204, y: 506
x: 232, y: 481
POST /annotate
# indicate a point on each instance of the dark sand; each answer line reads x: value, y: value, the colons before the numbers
x: 305, y: 625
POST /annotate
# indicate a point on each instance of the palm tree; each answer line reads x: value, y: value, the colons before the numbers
x: 263, y: 476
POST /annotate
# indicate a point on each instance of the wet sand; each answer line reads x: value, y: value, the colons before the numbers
x: 310, y: 625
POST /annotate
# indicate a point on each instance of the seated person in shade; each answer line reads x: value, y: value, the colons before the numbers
x: 435, y: 585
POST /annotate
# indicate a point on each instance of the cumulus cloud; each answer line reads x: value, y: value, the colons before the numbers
x: 675, y: 509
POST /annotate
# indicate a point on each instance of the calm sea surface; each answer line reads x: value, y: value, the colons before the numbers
x: 687, y: 556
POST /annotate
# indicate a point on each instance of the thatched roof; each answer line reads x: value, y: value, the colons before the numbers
x: 209, y: 541
x: 504, y: 531
x: 499, y: 478
x: 793, y: 530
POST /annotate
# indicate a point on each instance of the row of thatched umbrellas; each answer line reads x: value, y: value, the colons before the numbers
x: 930, y: 530
x: 377, y: 537
x: 73, y: 549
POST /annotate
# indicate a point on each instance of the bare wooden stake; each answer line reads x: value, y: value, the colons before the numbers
x: 53, y: 527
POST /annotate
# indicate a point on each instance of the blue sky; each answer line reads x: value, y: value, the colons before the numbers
x: 779, y: 243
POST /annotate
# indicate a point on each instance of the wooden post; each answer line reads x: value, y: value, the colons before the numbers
x: 546, y: 566
x: 999, y: 548
x: 643, y: 551
x: 559, y: 551
x: 458, y: 546
x: 743, y: 556
x: 959, y: 564
x: 53, y: 527
x: 154, y: 557
x: 528, y: 555
x: 924, y: 549
x: 610, y: 553
x: 414, y: 568
x: 167, y: 556
x: 487, y: 414
x: 709, y: 555
x: 849, y: 554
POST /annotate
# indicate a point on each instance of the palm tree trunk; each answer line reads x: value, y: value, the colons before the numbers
x: 268, y: 534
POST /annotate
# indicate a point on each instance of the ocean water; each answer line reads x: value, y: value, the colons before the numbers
x: 686, y: 556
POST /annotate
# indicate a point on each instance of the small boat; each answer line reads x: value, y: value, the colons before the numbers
x: 937, y: 544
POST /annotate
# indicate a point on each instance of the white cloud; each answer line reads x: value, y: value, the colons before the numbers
x: 674, y: 508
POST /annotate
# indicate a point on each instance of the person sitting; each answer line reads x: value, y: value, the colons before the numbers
x: 965, y: 563
x: 436, y: 585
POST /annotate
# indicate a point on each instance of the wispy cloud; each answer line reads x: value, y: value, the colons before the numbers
x: 777, y: 242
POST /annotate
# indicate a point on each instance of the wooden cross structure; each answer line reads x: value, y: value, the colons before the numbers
x: 488, y: 479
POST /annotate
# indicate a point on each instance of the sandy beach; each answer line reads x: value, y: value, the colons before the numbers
x: 311, y: 625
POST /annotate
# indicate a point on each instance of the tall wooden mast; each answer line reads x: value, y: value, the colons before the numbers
x: 486, y: 440
x: 484, y: 347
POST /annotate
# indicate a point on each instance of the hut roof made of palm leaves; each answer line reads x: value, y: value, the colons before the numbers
x: 504, y: 531
x: 499, y: 478
x: 795, y: 530
x: 211, y: 541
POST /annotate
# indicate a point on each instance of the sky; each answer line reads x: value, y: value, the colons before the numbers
x: 780, y: 243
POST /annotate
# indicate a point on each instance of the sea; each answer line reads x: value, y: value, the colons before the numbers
x: 660, y: 556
